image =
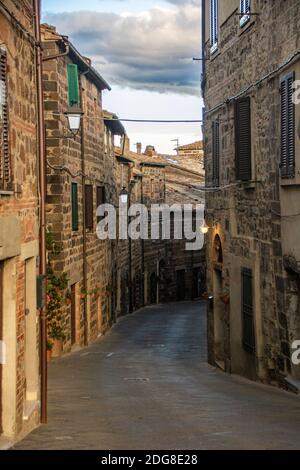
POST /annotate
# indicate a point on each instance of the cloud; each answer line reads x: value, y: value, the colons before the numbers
x: 151, y: 51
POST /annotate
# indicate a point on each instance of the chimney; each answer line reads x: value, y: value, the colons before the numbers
x: 139, y: 148
x: 150, y: 151
x: 125, y: 145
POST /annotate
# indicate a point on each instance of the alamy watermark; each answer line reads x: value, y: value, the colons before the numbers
x: 157, y: 222
x: 296, y: 353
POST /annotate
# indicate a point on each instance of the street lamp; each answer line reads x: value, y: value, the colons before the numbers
x: 124, y: 196
x: 74, y: 116
x: 204, y: 228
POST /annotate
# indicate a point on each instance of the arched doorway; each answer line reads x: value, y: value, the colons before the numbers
x: 218, y: 305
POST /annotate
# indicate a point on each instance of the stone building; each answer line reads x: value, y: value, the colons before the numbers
x: 165, y: 270
x: 19, y: 221
x: 252, y: 161
x: 79, y: 178
x: 191, y: 156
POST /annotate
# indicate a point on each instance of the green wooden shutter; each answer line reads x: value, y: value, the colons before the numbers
x: 73, y: 84
x: 243, y: 139
x: 248, y: 311
x: 74, y: 207
x: 287, y: 163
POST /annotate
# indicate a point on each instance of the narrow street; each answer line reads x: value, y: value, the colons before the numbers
x: 146, y: 385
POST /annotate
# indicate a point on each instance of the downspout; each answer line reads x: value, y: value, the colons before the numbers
x: 42, y: 184
x: 203, y: 33
x: 130, y: 245
x: 84, y: 250
x: 143, y: 248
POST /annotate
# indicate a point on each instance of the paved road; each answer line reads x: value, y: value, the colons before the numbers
x: 146, y: 385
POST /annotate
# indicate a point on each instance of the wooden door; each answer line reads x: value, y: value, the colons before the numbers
x: 73, y: 314
x: 180, y: 285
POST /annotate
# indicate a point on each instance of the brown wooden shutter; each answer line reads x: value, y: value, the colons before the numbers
x: 287, y: 163
x: 100, y: 197
x: 243, y: 139
x: 89, y: 212
x: 247, y: 311
x: 5, y: 164
x: 216, y: 153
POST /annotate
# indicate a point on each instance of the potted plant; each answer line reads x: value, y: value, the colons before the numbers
x: 57, y: 298
x: 225, y: 297
x: 68, y: 298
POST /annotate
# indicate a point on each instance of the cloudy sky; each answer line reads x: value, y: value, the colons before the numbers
x: 144, y: 49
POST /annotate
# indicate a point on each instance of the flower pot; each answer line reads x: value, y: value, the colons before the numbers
x: 57, y: 348
x: 225, y: 299
x: 49, y: 355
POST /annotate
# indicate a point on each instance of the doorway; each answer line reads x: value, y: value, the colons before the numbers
x: 31, y: 350
x: 73, y: 315
x: 180, y: 285
x: 219, y: 326
x: 153, y: 289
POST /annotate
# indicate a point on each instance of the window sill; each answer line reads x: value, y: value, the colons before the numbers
x: 248, y: 184
x: 290, y: 182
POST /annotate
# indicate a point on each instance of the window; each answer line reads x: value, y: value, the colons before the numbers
x: 247, y: 311
x: 216, y: 153
x: 100, y: 196
x: 74, y: 197
x: 5, y: 163
x: 243, y: 139
x: 73, y: 84
x: 245, y: 10
x: 89, y: 211
x: 213, y: 25
x: 287, y: 114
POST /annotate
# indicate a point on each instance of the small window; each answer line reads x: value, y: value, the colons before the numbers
x: 213, y: 26
x: 247, y: 311
x: 89, y: 210
x: 74, y: 197
x: 243, y: 139
x: 245, y: 12
x: 216, y: 153
x: 5, y: 161
x: 287, y: 115
x: 73, y: 83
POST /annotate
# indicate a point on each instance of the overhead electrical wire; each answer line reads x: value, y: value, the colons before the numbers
x: 160, y: 121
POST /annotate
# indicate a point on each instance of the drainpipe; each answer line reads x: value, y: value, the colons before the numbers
x: 143, y: 249
x: 130, y: 246
x: 84, y: 250
x: 42, y: 184
x: 203, y: 34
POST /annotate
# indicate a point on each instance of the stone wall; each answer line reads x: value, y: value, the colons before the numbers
x: 19, y: 226
x: 248, y: 217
